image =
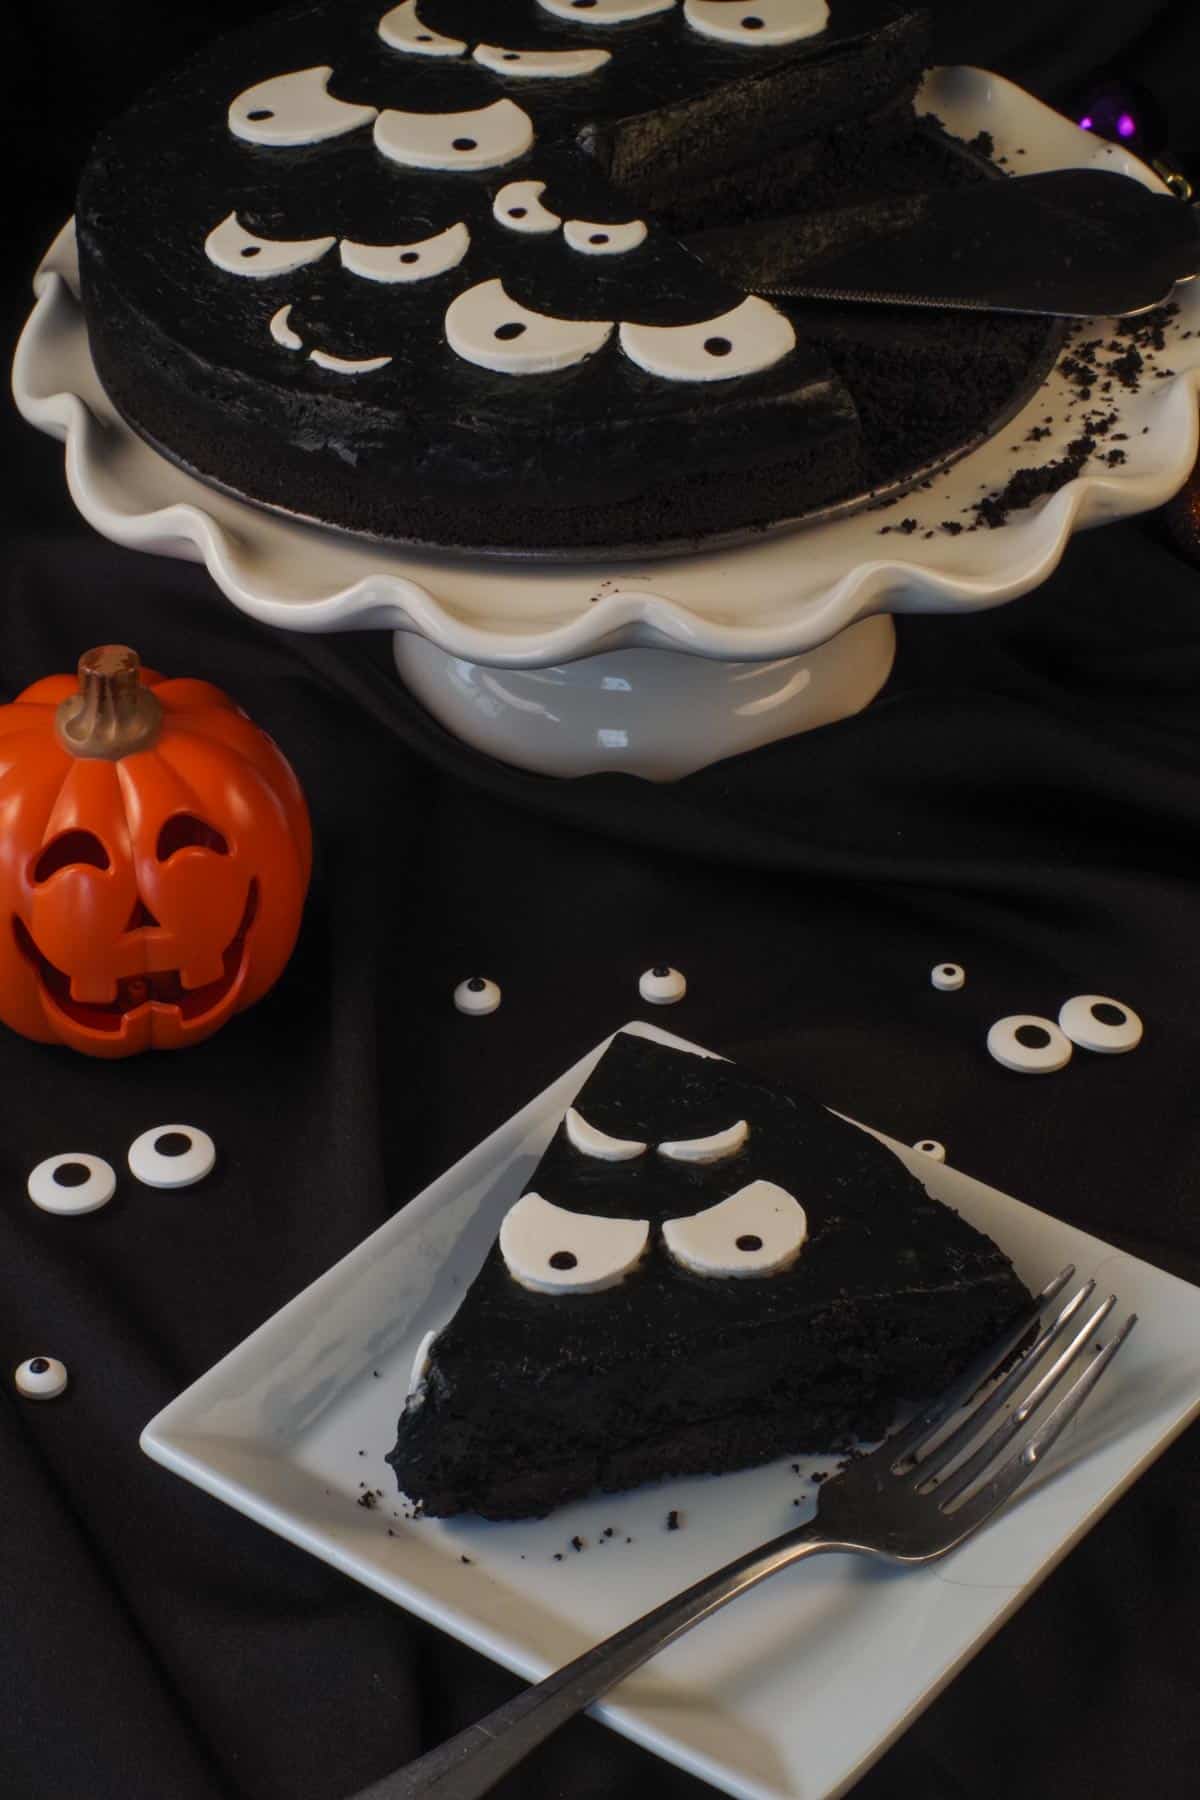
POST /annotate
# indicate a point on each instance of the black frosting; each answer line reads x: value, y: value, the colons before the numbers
x: 433, y: 447
x: 532, y: 1397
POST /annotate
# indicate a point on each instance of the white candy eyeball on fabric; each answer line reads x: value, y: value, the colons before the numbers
x: 751, y: 337
x: 1029, y: 1044
x: 662, y: 986
x: 481, y: 139
x: 485, y: 327
x: 540, y: 64
x: 294, y: 109
x: 605, y: 12
x: 418, y: 261
x: 401, y: 29
x: 518, y: 205
x: 757, y: 1231
x: 72, y: 1183
x: 931, y: 1148
x: 590, y: 1141
x: 553, y: 1251
x: 1096, y: 1022
x: 41, y: 1378
x: 598, y: 239
x: 172, y: 1156
x: 232, y: 248
x: 948, y: 977
x: 759, y: 22
x: 477, y: 995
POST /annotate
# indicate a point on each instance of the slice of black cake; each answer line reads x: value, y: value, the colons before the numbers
x: 590, y: 1353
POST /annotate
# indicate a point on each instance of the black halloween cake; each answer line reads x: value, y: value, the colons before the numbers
x: 703, y: 1273
x: 376, y: 268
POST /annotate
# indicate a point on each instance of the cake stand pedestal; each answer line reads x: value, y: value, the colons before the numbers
x: 655, y: 713
x: 659, y: 667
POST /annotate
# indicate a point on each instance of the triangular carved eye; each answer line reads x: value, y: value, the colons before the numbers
x: 67, y: 849
x: 183, y: 830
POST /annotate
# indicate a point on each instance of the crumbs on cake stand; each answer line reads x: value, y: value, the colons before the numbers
x: 1097, y: 372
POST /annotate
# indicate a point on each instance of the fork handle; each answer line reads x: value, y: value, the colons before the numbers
x: 471, y: 1763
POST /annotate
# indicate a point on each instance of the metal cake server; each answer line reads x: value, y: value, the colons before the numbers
x: 1072, y: 243
x: 922, y: 1492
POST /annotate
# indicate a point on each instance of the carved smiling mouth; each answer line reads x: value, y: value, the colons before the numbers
x: 157, y: 988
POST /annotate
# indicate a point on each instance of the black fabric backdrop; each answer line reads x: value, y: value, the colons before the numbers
x: 1024, y: 798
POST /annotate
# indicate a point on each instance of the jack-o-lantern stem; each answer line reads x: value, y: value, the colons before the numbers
x: 114, y: 713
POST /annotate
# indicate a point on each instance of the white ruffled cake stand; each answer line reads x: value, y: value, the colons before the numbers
x: 660, y: 668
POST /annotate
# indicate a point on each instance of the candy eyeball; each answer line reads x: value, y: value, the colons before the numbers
x: 172, y: 1156
x: 1029, y: 1044
x: 1095, y: 1022
x: 757, y: 1231
x: 41, y: 1378
x: 662, y: 986
x: 553, y: 1251
x: 931, y: 1148
x: 948, y: 977
x: 477, y: 995
x: 72, y: 1183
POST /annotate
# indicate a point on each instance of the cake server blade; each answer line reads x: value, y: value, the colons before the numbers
x: 1070, y: 243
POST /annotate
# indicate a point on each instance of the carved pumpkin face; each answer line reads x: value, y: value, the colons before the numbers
x: 154, y: 857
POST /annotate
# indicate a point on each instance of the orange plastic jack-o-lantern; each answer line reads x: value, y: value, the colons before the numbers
x: 154, y: 856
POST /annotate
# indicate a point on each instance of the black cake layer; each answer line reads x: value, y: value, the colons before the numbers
x: 533, y: 1399
x: 432, y: 448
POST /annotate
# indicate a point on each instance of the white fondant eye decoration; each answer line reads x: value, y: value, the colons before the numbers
x: 751, y: 337
x: 420, y: 1362
x: 757, y: 1231
x: 591, y: 1142
x: 172, y: 1156
x: 662, y: 986
x: 604, y: 240
x: 948, y: 977
x: 72, y: 1183
x: 1095, y: 1022
x: 931, y: 1148
x: 464, y: 140
x: 282, y: 332
x: 239, y: 252
x: 1029, y: 1044
x: 477, y: 995
x: 759, y: 22
x: 707, y: 1149
x: 401, y: 29
x: 554, y: 1251
x: 605, y: 12
x: 407, y: 262
x: 294, y: 109
x: 518, y: 205
x: 347, y: 365
x: 41, y: 1378
x: 484, y: 326
x: 542, y: 64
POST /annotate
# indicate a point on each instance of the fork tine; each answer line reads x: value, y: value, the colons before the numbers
x: 904, y: 1442
x: 957, y: 1441
x: 969, y: 1471
x: 1010, y: 1476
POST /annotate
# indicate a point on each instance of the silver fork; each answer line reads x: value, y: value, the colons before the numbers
x: 920, y: 1493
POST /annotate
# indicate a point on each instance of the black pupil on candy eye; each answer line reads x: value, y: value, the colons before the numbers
x: 718, y: 346
x: 172, y: 1143
x: 1105, y: 1013
x: 582, y: 5
x: 251, y: 250
x: 463, y: 144
x: 563, y: 1259
x: 948, y: 969
x: 598, y: 237
x: 511, y: 56
x: 751, y: 23
x: 511, y: 330
x: 475, y: 985
x: 516, y: 212
x: 71, y: 1174
x: 410, y: 256
x: 1033, y: 1037
x: 660, y: 974
x: 749, y: 1242
x: 38, y: 1366
x: 423, y: 37
x: 263, y: 112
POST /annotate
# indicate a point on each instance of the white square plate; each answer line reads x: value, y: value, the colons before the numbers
x: 799, y: 1685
